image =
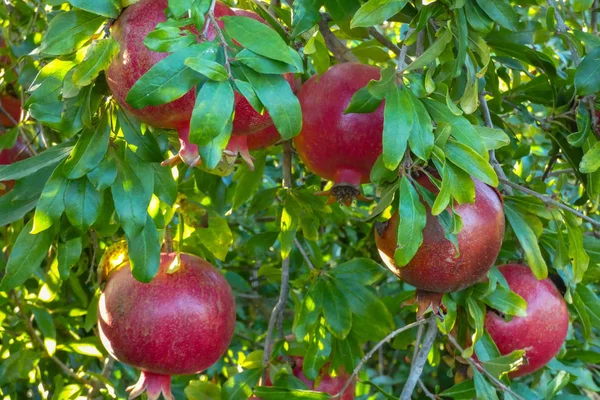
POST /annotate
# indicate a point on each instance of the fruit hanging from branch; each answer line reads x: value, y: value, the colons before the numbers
x: 180, y: 323
x: 437, y: 266
x: 542, y: 332
x: 336, y: 146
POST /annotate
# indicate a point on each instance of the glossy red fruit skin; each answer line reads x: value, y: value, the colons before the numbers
x: 180, y: 323
x: 434, y: 267
x: 542, y: 332
x: 134, y: 60
x: 264, y: 138
x: 336, y: 146
x: 246, y: 120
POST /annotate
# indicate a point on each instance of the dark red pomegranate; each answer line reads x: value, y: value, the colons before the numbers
x: 435, y: 267
x: 180, y: 323
x: 135, y: 59
x: 542, y: 332
x: 12, y: 106
x: 336, y: 146
x: 327, y: 383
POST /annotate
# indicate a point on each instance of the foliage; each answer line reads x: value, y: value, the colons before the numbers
x: 497, y: 90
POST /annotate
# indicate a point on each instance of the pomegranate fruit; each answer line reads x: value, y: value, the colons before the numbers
x: 12, y: 106
x: 135, y: 59
x: 542, y: 332
x: 435, y: 267
x: 180, y: 323
x: 339, y: 147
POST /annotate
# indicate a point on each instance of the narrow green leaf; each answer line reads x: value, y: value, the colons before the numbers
x: 506, y: 301
x: 68, y: 254
x: 561, y: 380
x: 144, y: 251
x: 528, y: 241
x: 32, y: 165
x: 305, y: 15
x: 336, y: 311
x: 45, y: 323
x: 239, y: 386
x: 317, y: 354
x: 591, y: 160
x: 212, y: 112
x: 413, y: 218
x: 68, y: 31
x: 502, y: 365
x: 587, y: 76
x: 397, y: 125
x: 106, y: 8
x: 284, y: 393
x: 362, y: 102
x: 470, y: 162
x: 88, y: 151
x: 493, y: 138
x: 421, y: 137
x: 265, y: 65
x: 26, y: 256
x: 363, y: 270
x: 83, y: 203
x: 104, y: 175
x: 141, y: 142
x: 502, y: 12
x: 168, y: 38
x: 210, y: 69
x: 579, y: 258
x: 51, y: 204
x: 97, y: 58
x: 433, y: 51
x: 248, y: 180
x: 374, y: 12
x: 131, y: 200
x: 165, y: 187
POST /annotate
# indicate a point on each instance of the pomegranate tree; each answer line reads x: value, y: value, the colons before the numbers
x: 180, y: 323
x: 339, y: 147
x: 436, y: 267
x: 542, y: 332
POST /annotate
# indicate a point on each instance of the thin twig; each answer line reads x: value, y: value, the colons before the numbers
x: 426, y: 391
x: 381, y: 38
x: 368, y: 356
x: 481, y: 369
x: 304, y: 254
x: 271, y: 12
x: 277, y: 314
x: 561, y: 27
x: 487, y: 118
x: 594, y: 18
x: 217, y: 28
x: 211, y: 9
x: 339, y: 50
x: 417, y: 364
x: 549, y: 201
x: 418, y: 341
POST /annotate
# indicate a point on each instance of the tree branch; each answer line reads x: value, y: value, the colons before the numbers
x: 481, y: 369
x: 339, y: 50
x: 304, y: 254
x: 561, y: 27
x: 549, y: 201
x: 277, y: 314
x: 426, y: 391
x: 213, y: 21
x: 373, y: 351
x: 381, y: 38
x: 417, y: 364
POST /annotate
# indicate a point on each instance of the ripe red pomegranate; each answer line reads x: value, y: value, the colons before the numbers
x: 435, y: 267
x: 135, y: 59
x: 336, y: 146
x: 542, y: 332
x: 180, y: 323
x: 328, y: 384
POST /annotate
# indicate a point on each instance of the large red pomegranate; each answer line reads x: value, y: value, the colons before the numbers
x: 135, y: 59
x: 435, y: 267
x: 326, y: 383
x: 336, y: 146
x: 542, y: 332
x: 180, y: 323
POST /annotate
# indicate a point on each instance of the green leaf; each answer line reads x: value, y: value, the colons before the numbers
x: 374, y: 12
x: 476, y: 317
x: 506, y: 301
x: 104, y: 175
x: 484, y: 390
x: 217, y: 238
x: 106, y: 8
x: 528, y: 241
x: 32, y: 165
x: 97, y: 58
x: 579, y: 258
x: 561, y: 380
x: 144, y: 251
x: 51, y: 204
x: 212, y: 153
x: 587, y: 76
x: 45, y: 324
x: 284, y: 393
x: 26, y: 256
x: 257, y: 37
x: 592, y: 304
x: 397, y: 125
x: 83, y: 203
x: 501, y: 12
x: 433, y: 51
x: 201, y: 390
x: 166, y: 186
x: 583, y: 315
x: 477, y: 18
x: 486, y: 348
x: 362, y: 102
x: 168, y: 79
x: 141, y: 142
x: 362, y: 270
x: 462, y: 41
x: 131, y: 200
x: 305, y: 15
x: 167, y: 38
x: 67, y: 255
x: 317, y: 354
x: 421, y: 135
x: 336, y: 311
x: 499, y: 366
x: 248, y: 180
x: 463, y: 390
x: 470, y: 162
x: 591, y: 160
x: 493, y: 138
x: 68, y: 31
x: 212, y: 112
x: 413, y: 218
x: 279, y: 100
x: 239, y: 386
x: 265, y: 65
x: 310, y: 309
x: 88, y: 151
x: 210, y: 69
x: 177, y: 7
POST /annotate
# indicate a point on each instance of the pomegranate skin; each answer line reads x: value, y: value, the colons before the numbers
x: 264, y: 138
x: 135, y: 59
x: 435, y: 268
x: 12, y: 106
x: 336, y: 146
x: 180, y: 323
x: 246, y: 120
x: 542, y: 332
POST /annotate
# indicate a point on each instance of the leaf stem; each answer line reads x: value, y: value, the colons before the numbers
x: 418, y: 363
x: 373, y: 351
x: 481, y: 369
x: 381, y: 38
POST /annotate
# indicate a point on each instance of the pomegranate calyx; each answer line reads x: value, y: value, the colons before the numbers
x: 344, y: 193
x: 426, y: 301
x: 153, y: 384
